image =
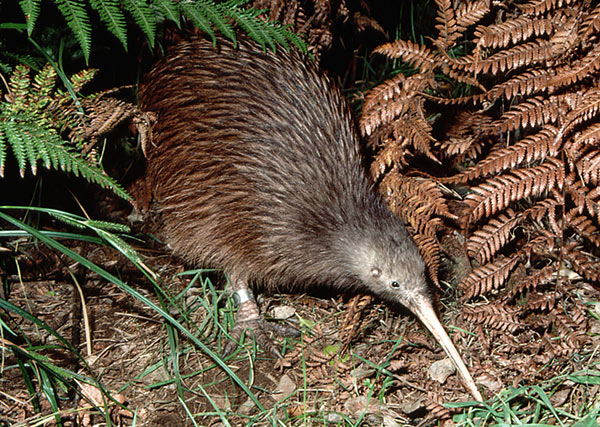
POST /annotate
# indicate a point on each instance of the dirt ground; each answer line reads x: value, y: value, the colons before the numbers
x: 356, y: 357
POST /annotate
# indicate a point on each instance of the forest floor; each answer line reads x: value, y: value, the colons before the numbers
x: 358, y: 362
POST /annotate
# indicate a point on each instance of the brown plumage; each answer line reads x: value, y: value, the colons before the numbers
x: 255, y: 169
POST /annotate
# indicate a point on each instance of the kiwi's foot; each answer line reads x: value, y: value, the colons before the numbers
x: 248, y: 318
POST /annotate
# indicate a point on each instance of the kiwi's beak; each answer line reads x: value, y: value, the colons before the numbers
x: 422, y: 308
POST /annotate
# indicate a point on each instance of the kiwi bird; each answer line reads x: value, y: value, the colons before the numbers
x: 254, y: 168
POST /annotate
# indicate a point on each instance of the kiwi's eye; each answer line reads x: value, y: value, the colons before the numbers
x: 395, y: 284
x: 375, y: 272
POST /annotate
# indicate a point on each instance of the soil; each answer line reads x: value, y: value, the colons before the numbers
x: 356, y: 357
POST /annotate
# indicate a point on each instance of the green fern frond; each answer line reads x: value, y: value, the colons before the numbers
x: 217, y: 15
x: 33, y: 139
x: 30, y: 121
x: 19, y: 87
x: 27, y: 98
x: 10, y: 57
x: 207, y: 15
x: 78, y: 20
x: 260, y: 31
x: 4, y: 67
x: 43, y: 85
x: 38, y: 143
x: 194, y: 13
x: 18, y: 144
x: 167, y: 9
x: 68, y: 161
x: 264, y: 32
x: 143, y: 17
x: 104, y: 229
x: 83, y: 77
x: 113, y: 17
x: 31, y: 10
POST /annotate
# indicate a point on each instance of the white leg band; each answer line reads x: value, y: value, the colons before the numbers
x: 242, y: 295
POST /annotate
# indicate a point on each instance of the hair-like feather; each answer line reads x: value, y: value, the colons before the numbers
x: 255, y: 169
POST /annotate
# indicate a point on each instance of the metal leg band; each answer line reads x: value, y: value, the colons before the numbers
x: 242, y: 295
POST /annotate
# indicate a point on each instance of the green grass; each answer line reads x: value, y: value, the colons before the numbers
x: 197, y: 319
x: 532, y: 406
x: 170, y: 308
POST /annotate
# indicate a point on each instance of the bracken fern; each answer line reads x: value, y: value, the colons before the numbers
x: 207, y: 15
x: 33, y: 117
x: 517, y: 157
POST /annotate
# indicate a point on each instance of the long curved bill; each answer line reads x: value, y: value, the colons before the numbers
x: 424, y: 311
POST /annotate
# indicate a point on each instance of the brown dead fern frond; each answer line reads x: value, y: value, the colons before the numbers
x: 435, y: 406
x: 446, y: 24
x: 103, y: 116
x: 588, y: 136
x: 419, y: 135
x: 578, y: 70
x: 513, y: 101
x: 583, y: 263
x: 543, y: 209
x: 531, y: 149
x: 453, y: 146
x: 382, y: 114
x: 418, y: 194
x: 381, y: 94
x: 513, y: 31
x: 362, y: 23
x: 543, y: 244
x: 485, y: 242
x: 419, y: 56
x: 457, y: 150
x: 583, y: 226
x: 527, y: 83
x: 588, y: 167
x: 350, y: 326
x: 584, y: 106
x: 394, y: 152
x: 534, y: 112
x: 585, y: 199
x: 495, y: 316
x: 416, y: 201
x: 531, y: 281
x: 473, y: 99
x: 554, y: 348
x: 471, y: 12
x: 465, y: 78
x: 393, y: 99
x: 498, y: 192
x: 527, y: 54
x: 576, y: 315
x: 565, y: 37
x: 402, y: 137
x: 421, y: 223
x: 470, y: 123
x: 487, y: 277
x: 541, y: 301
x: 570, y: 326
x: 590, y: 28
x: 538, y: 7
x: 430, y: 250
